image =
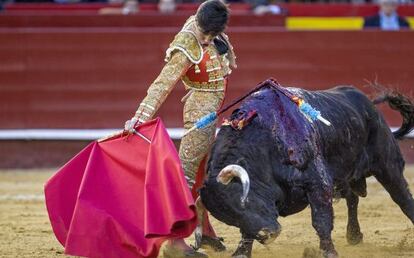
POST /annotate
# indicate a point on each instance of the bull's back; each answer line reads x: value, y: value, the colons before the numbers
x: 354, y: 121
x: 347, y: 108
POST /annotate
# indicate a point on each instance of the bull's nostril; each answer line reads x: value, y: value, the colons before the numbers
x: 266, y: 236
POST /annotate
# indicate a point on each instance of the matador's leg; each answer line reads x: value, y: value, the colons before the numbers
x: 194, y: 148
x: 195, y: 145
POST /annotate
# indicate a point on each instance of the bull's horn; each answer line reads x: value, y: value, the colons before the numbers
x: 230, y: 171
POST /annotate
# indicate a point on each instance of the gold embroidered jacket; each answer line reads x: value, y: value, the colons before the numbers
x: 201, y: 69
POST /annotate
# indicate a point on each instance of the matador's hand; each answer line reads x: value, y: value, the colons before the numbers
x: 130, y: 125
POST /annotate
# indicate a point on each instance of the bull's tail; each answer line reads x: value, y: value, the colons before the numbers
x: 402, y: 104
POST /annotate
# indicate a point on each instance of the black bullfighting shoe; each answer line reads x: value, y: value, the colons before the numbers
x: 174, y: 252
x: 213, y: 242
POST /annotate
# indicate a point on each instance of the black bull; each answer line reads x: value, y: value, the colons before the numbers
x: 291, y: 162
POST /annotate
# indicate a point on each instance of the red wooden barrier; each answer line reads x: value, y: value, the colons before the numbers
x: 35, y: 154
x: 94, y: 78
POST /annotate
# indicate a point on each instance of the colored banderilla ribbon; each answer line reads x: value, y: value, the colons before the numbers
x: 310, y: 113
x: 305, y: 108
x: 202, y: 122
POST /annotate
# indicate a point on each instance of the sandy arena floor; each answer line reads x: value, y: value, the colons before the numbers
x: 25, y: 230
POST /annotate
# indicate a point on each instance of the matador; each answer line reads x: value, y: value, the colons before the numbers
x: 202, y: 57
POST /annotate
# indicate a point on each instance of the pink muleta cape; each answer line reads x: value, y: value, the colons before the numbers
x: 121, y: 197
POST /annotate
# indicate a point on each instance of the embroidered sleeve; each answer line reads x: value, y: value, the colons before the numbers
x: 173, y: 70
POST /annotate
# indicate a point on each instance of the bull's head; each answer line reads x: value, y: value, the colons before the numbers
x: 241, y: 189
x: 264, y: 144
x: 269, y: 231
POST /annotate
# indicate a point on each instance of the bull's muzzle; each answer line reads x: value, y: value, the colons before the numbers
x: 229, y: 172
x: 267, y: 236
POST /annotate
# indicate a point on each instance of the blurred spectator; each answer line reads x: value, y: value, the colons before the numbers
x: 129, y: 7
x: 67, y: 1
x: 166, y: 6
x: 261, y: 7
x: 387, y: 18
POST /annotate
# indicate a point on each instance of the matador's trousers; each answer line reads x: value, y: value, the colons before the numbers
x: 195, y: 145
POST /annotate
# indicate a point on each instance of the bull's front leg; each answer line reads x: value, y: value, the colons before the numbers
x: 320, y: 199
x: 244, y: 249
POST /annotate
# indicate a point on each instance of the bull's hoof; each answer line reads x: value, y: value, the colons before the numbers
x: 237, y: 254
x: 354, y: 238
x: 213, y: 242
x: 330, y: 254
x: 310, y: 252
x: 244, y: 250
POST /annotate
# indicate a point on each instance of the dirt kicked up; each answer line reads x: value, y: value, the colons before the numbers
x: 25, y: 230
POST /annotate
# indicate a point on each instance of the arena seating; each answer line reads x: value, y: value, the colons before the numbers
x: 299, y: 16
x: 293, y: 9
x: 144, y: 20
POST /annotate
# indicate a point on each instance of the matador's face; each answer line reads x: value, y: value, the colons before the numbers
x: 205, y: 38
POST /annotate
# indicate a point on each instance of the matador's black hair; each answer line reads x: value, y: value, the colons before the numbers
x: 212, y: 17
